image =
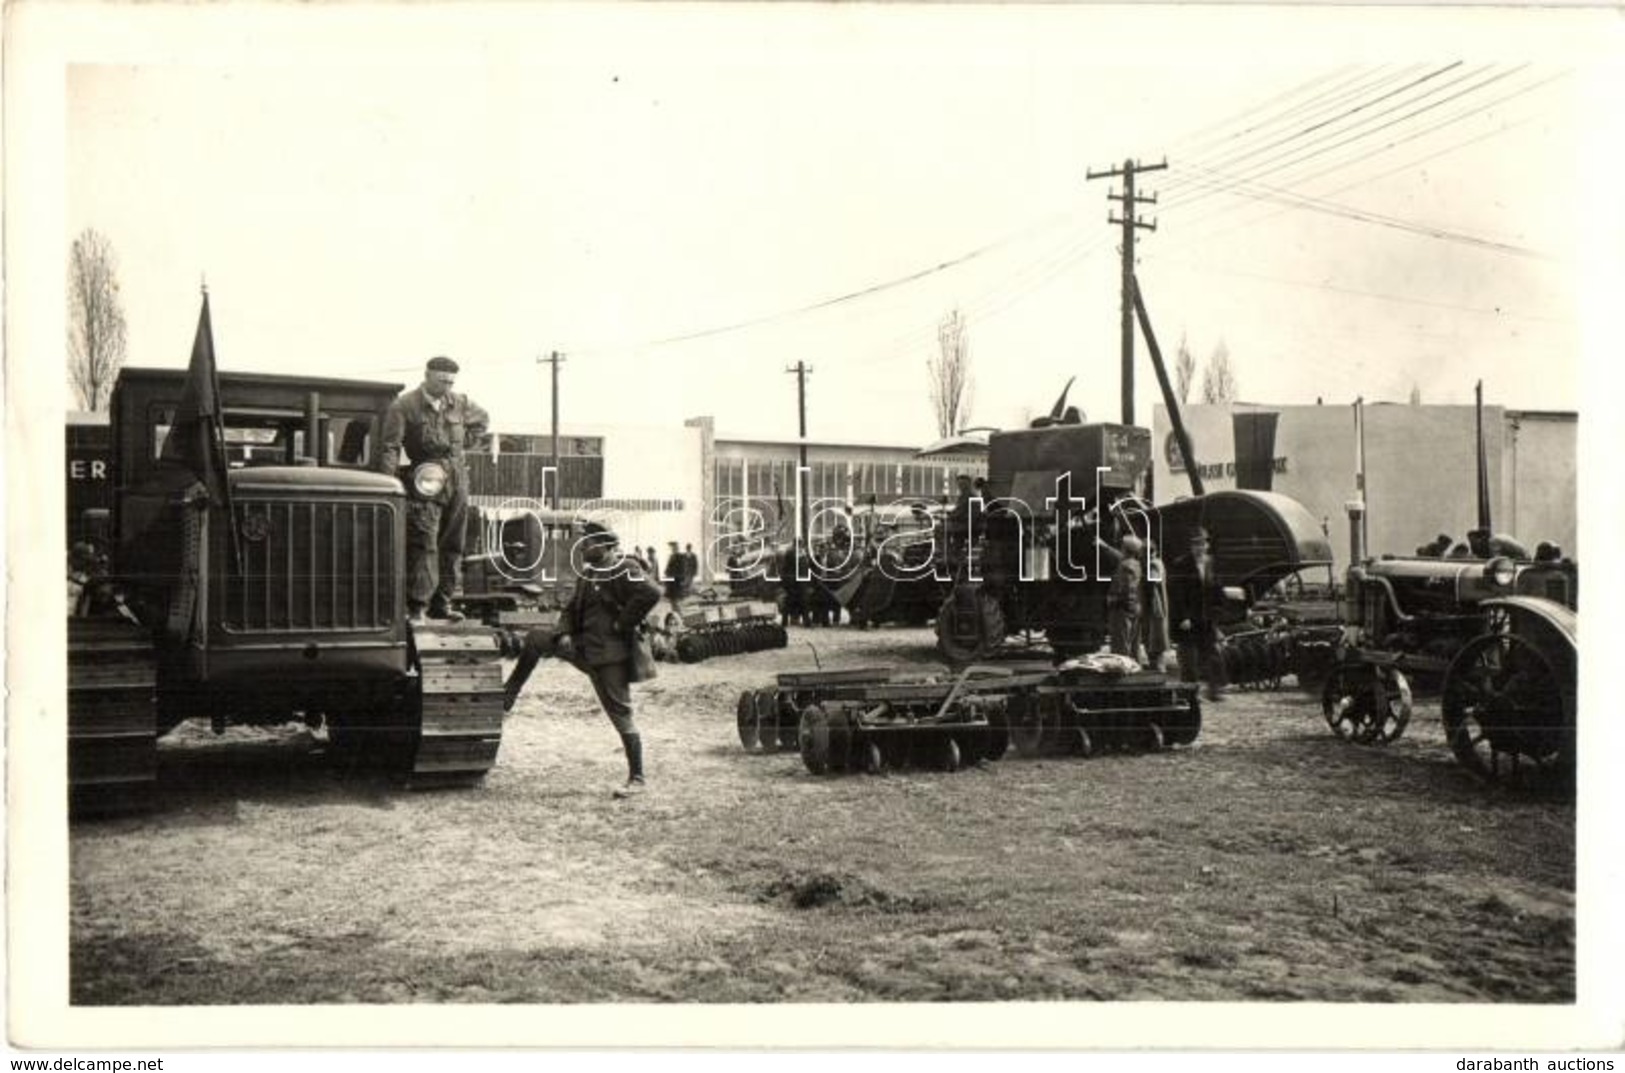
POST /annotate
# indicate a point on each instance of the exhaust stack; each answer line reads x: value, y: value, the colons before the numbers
x: 313, y: 431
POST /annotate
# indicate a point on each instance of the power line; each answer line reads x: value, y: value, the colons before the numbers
x: 1303, y: 132
x: 1224, y: 270
x: 990, y: 303
x: 828, y: 303
x: 1331, y: 92
x: 1299, y: 201
x: 1076, y: 252
x: 1193, y: 141
x: 1409, y: 115
x: 1188, y: 237
x: 1292, y: 157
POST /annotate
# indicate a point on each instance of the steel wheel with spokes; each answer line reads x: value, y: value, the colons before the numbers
x: 1368, y: 703
x: 1026, y: 725
x: 1503, y: 709
x: 746, y: 714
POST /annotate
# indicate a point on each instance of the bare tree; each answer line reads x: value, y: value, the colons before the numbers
x: 1219, y: 378
x: 95, y: 319
x: 1184, y: 369
x: 952, y: 388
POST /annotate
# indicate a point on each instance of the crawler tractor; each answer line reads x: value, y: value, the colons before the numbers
x: 278, y: 597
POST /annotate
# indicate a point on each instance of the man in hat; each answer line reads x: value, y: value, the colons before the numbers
x: 433, y: 423
x: 1198, y: 631
x: 1154, y: 609
x: 1123, y: 599
x: 691, y: 568
x: 673, y: 574
x: 595, y: 632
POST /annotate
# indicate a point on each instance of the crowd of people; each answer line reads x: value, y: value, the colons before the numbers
x: 1484, y: 544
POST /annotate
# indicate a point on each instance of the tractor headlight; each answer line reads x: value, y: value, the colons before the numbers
x: 1502, y: 571
x: 428, y: 479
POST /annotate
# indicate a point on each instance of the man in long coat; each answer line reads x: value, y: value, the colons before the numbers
x: 1198, y: 633
x: 595, y: 633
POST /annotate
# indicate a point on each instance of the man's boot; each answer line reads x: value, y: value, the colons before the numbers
x: 529, y: 656
x: 633, y: 744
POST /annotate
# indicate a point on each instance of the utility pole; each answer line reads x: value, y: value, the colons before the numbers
x: 555, y: 359
x: 1130, y: 224
x: 801, y: 369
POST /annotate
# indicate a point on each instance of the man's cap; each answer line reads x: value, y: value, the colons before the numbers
x: 442, y: 364
x: 1132, y: 545
x: 1199, y: 534
x: 594, y: 533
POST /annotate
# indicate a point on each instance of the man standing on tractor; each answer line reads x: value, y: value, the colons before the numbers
x: 433, y: 424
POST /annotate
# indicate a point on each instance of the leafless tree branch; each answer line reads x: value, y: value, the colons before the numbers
x: 952, y: 387
x: 95, y: 319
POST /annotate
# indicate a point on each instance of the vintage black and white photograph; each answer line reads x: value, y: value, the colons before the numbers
x: 1045, y: 512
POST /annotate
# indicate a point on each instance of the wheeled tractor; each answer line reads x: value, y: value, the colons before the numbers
x: 1497, y: 641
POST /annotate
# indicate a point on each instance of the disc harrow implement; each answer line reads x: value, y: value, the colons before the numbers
x: 875, y: 719
x: 729, y: 630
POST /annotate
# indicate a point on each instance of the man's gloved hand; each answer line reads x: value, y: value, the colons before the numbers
x: 564, y: 647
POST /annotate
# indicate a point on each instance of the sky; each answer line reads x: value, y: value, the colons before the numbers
x: 626, y: 184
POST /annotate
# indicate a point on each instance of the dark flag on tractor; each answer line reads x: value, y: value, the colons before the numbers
x: 196, y: 440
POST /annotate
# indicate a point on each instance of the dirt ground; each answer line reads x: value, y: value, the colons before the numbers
x: 1268, y: 861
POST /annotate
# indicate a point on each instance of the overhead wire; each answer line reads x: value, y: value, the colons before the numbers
x: 1316, y: 105
x: 1291, y: 126
x: 1187, y: 237
x: 813, y: 307
x: 827, y: 303
x: 1259, y: 192
x: 1385, y: 126
x: 1226, y: 270
x: 990, y: 303
x: 1290, y: 157
x: 1198, y: 140
x: 1340, y: 94
x: 1319, y: 122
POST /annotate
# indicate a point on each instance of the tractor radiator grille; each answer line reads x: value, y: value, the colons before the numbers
x: 313, y: 566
